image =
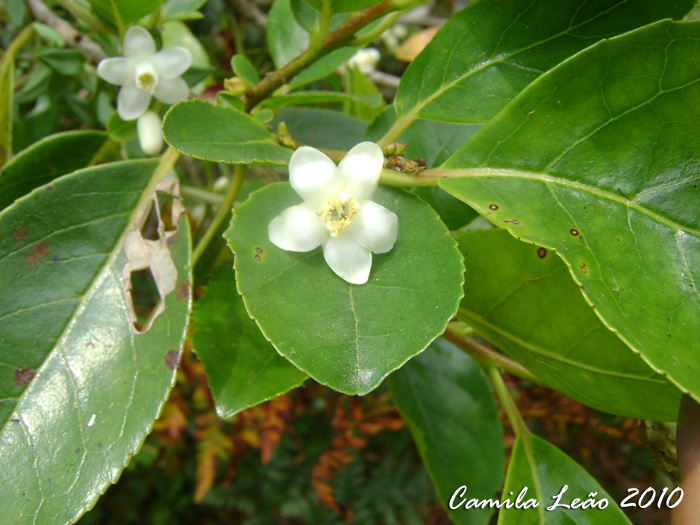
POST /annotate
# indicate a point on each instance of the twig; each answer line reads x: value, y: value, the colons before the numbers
x: 249, y: 11
x: 72, y: 37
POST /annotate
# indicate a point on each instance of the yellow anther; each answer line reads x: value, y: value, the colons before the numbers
x: 338, y: 212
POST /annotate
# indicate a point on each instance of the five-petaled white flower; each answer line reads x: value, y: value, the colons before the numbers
x: 337, y: 212
x: 142, y: 72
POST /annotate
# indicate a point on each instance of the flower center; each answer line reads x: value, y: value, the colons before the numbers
x: 146, y: 77
x: 338, y: 212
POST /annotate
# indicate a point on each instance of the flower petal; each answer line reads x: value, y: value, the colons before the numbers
x: 297, y: 229
x: 150, y: 133
x: 360, y: 169
x: 374, y: 227
x: 117, y: 70
x: 172, y: 62
x: 313, y: 176
x: 132, y: 102
x: 172, y: 90
x: 347, y: 259
x: 138, y: 42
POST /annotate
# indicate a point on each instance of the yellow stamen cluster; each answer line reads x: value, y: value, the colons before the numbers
x: 338, y: 212
x: 147, y: 82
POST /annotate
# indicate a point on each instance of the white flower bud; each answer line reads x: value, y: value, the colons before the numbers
x: 150, y: 133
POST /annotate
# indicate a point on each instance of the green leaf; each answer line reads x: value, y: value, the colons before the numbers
x: 545, y: 471
x: 242, y: 368
x: 346, y: 336
x: 220, y: 134
x: 598, y: 160
x: 343, y: 6
x: 357, y: 84
x: 81, y: 388
x: 488, y: 52
x: 522, y: 298
x: 229, y: 100
x: 299, y: 98
x: 17, y: 11
x: 444, y: 397
x: 46, y: 160
x: 322, y: 128
x: 181, y: 9
x: 7, y: 88
x: 121, y: 130
x: 285, y: 37
x: 121, y: 13
x: 323, y: 67
x: 244, y: 69
x: 66, y: 62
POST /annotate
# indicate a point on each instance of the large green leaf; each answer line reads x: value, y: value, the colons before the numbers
x: 46, y: 160
x: 242, y: 368
x: 121, y: 13
x: 285, y: 37
x: 491, y: 50
x: 545, y: 471
x: 322, y: 128
x: 444, y: 397
x: 80, y: 386
x: 346, y: 336
x: 522, y: 298
x: 598, y: 159
x: 221, y: 134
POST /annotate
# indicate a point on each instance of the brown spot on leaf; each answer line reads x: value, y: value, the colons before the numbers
x: 542, y: 253
x: 514, y: 221
x: 18, y: 234
x: 584, y: 269
x: 49, y: 187
x: 258, y: 250
x: 39, y: 251
x: 257, y: 257
x: 172, y: 359
x: 77, y: 451
x: 23, y: 376
x: 573, y: 232
x: 493, y: 207
x: 182, y: 291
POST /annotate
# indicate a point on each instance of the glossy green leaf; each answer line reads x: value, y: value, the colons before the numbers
x: 80, y: 388
x: 226, y: 99
x: 244, y: 69
x: 344, y: 6
x: 300, y: 98
x: 444, y: 397
x: 323, y: 67
x: 181, y: 9
x: 545, y: 471
x: 243, y: 369
x: 356, y: 83
x: 322, y: 128
x: 46, y: 160
x: 121, y: 13
x: 598, y: 159
x: 346, y: 336
x: 285, y: 37
x: 220, y: 134
x: 490, y: 51
x: 67, y: 62
x: 522, y: 298
x: 121, y: 130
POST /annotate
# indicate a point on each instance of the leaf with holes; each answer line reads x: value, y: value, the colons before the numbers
x: 598, y: 159
x: 346, y: 336
x: 80, y: 385
x: 243, y: 369
x: 221, y: 134
x: 522, y: 298
x: 461, y: 441
x: 490, y: 51
x: 46, y: 160
x: 545, y: 470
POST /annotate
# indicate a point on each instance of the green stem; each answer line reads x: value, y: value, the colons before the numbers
x: 341, y: 36
x: 85, y: 16
x: 239, y: 174
x: 201, y: 195
x: 398, y: 178
x: 371, y: 36
x: 509, y: 406
x: 316, y: 43
x: 395, y: 131
x: 485, y: 356
x: 15, y: 46
x: 109, y: 144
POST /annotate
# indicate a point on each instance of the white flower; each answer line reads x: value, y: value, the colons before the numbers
x: 142, y: 72
x: 337, y: 212
x: 150, y: 133
x: 365, y: 60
